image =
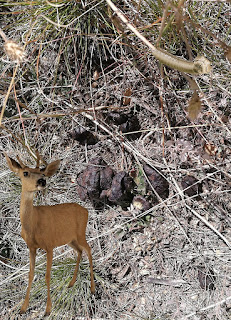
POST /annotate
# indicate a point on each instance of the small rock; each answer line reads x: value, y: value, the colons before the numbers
x: 157, y: 181
x: 121, y: 190
x: 88, y: 183
x: 141, y: 203
x: 106, y: 176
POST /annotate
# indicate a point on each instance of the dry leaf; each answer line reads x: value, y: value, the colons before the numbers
x: 194, y: 106
x: 210, y: 149
x: 191, y: 186
x: 228, y: 54
x: 206, y: 278
x: 94, y: 84
x: 84, y: 136
x: 127, y: 97
x: 96, y: 75
x: 14, y: 51
x: 117, y: 23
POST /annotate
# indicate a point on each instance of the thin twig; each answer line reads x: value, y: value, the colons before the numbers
x: 213, y: 305
x: 209, y: 225
x: 8, y: 92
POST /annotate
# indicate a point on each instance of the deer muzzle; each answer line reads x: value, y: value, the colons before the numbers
x: 41, y: 182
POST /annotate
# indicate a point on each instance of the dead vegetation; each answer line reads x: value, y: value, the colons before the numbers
x: 144, y: 147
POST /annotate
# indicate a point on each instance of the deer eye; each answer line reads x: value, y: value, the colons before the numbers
x: 25, y: 174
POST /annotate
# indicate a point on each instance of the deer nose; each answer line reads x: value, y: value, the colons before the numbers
x: 41, y: 182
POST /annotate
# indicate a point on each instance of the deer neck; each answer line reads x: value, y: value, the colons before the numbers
x: 27, y: 216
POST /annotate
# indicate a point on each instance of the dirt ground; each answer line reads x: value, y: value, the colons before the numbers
x: 168, y: 260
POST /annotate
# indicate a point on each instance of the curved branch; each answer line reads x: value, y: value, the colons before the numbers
x: 200, y: 65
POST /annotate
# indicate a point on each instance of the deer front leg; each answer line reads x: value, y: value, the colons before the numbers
x: 83, y: 243
x: 91, y: 270
x: 31, y: 277
x: 48, y: 278
x: 76, y: 268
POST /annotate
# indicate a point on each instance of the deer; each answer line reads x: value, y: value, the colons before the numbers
x: 49, y: 226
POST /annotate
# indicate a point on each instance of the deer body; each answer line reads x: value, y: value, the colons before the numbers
x: 47, y: 227
x: 41, y: 228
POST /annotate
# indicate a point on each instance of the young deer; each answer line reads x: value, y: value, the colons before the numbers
x: 47, y: 227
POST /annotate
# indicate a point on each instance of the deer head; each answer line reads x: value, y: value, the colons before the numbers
x: 32, y: 179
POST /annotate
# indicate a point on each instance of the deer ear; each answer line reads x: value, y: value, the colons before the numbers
x: 51, y: 168
x: 12, y: 164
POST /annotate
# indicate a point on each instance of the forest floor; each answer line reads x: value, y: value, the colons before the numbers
x: 161, y: 232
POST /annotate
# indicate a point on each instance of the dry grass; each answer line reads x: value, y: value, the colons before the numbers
x: 131, y: 250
